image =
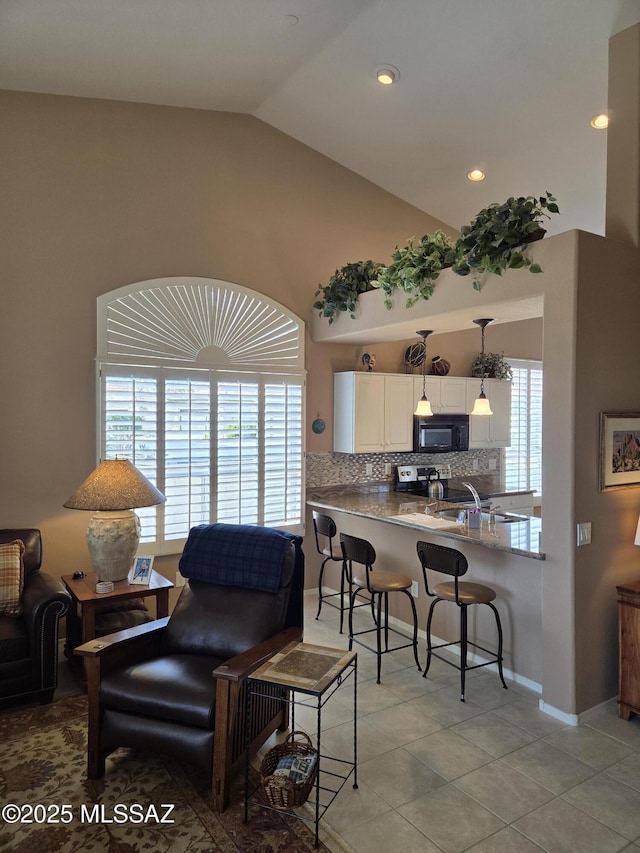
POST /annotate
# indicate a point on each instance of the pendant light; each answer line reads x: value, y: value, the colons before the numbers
x: 481, y: 405
x: 423, y: 408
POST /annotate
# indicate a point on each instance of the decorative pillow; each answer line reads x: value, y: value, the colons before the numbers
x: 11, y: 578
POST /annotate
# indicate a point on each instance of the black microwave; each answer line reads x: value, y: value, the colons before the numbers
x: 440, y: 433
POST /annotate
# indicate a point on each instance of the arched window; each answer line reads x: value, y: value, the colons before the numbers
x: 201, y: 385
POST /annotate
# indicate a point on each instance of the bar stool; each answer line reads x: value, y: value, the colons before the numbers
x: 378, y: 585
x: 448, y: 561
x: 325, y: 532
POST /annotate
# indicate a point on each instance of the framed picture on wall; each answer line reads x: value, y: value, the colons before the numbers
x: 619, y: 450
x: 141, y: 571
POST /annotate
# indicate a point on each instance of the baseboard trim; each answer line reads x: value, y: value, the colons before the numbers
x: 567, y: 719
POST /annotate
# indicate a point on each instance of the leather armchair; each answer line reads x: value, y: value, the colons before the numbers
x: 177, y: 685
x: 29, y: 643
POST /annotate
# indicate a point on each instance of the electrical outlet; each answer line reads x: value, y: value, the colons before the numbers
x: 179, y: 580
x: 475, y: 465
x: 368, y: 468
x: 493, y: 464
x: 414, y: 589
x: 387, y: 467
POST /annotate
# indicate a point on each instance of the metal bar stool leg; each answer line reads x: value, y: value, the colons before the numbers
x: 463, y: 649
x: 415, y: 630
x: 320, y: 579
x: 342, y: 577
x: 499, y: 625
x: 429, y: 646
x: 378, y: 635
x: 352, y: 599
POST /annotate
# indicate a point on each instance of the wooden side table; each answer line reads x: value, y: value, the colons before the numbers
x: 86, y: 599
x: 629, y: 649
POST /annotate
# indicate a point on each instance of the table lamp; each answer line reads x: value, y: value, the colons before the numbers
x: 112, y: 491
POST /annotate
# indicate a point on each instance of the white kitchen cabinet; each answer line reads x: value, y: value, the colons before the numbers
x: 513, y: 503
x: 447, y: 394
x: 373, y: 412
x: 495, y: 430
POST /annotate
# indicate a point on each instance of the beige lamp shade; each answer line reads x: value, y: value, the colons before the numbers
x: 113, y: 535
x: 115, y: 484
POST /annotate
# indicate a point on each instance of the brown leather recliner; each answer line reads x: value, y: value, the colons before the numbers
x: 176, y: 685
x: 29, y: 643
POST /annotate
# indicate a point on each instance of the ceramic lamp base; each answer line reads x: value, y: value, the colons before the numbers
x: 113, y: 539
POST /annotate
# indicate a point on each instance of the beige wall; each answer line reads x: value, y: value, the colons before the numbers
x: 607, y: 359
x: 99, y: 194
x: 623, y: 138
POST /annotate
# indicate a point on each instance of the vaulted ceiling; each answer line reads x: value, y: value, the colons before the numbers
x: 506, y: 86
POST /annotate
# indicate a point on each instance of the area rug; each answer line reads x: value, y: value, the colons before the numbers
x: 43, y: 769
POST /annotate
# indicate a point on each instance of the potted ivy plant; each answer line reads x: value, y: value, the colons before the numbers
x: 497, y: 237
x: 491, y: 365
x: 416, y: 267
x: 344, y: 288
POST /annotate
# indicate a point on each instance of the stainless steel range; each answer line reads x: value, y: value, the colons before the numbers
x: 421, y: 480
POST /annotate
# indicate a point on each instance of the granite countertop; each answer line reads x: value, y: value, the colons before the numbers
x: 407, y: 510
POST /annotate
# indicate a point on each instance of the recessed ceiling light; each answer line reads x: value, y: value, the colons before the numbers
x: 600, y: 122
x: 388, y: 75
x: 476, y: 175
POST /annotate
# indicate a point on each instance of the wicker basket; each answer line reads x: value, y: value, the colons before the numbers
x: 281, y: 792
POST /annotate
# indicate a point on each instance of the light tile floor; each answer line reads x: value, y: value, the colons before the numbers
x: 491, y: 775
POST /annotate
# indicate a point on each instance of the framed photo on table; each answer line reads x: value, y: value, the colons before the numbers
x: 619, y: 450
x: 141, y: 570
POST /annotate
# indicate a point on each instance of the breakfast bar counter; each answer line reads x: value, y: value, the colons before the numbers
x: 521, y: 536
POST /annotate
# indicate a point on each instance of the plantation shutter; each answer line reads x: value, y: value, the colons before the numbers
x: 523, y: 459
x: 201, y: 385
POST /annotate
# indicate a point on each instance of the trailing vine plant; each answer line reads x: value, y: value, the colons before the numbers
x: 497, y: 238
x: 344, y: 288
x: 416, y: 267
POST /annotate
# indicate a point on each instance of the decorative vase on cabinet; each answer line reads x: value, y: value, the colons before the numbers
x: 440, y: 366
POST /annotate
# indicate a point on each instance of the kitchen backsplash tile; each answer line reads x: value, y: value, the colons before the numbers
x: 335, y: 469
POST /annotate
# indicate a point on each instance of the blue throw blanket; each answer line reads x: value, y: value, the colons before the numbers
x: 236, y: 555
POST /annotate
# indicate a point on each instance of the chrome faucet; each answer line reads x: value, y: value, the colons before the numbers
x: 476, y: 496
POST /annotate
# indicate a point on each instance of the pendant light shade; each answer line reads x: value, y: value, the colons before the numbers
x: 423, y: 408
x: 481, y: 405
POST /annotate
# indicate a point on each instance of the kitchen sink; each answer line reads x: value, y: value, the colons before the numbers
x: 498, y: 517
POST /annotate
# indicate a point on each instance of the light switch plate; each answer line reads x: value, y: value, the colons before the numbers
x: 414, y: 589
x: 368, y: 468
x: 584, y: 533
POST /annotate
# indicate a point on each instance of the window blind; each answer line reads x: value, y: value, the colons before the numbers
x: 220, y: 447
x: 523, y: 459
